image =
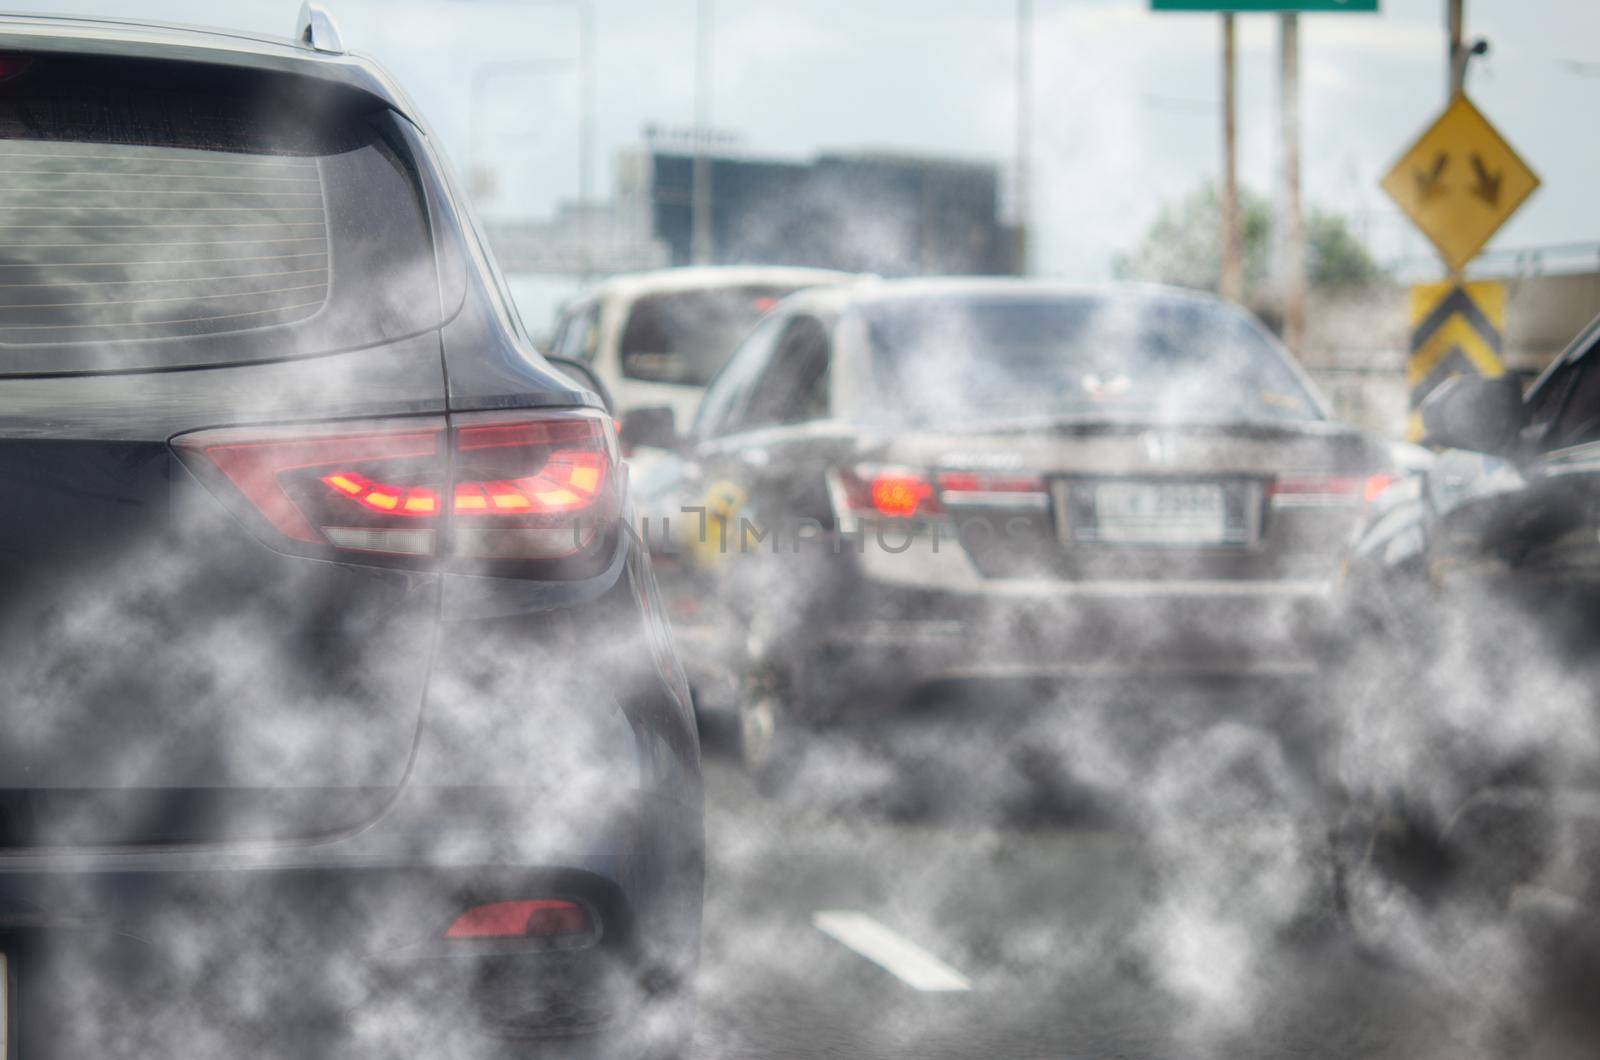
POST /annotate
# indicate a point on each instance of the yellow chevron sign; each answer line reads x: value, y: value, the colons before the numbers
x: 1456, y: 328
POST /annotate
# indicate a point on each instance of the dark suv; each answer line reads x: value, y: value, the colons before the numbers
x: 339, y: 710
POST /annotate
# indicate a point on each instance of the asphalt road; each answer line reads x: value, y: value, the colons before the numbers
x: 1174, y: 926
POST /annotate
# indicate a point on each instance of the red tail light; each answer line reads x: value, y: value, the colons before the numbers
x: 901, y: 493
x: 521, y: 487
x: 14, y: 66
x: 285, y: 474
x: 984, y: 482
x: 507, y: 506
x: 993, y: 489
x: 383, y: 496
x: 893, y: 492
x: 1376, y: 485
x: 1318, y: 489
x: 537, y: 918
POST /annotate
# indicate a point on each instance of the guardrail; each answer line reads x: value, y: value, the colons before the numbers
x: 1551, y: 259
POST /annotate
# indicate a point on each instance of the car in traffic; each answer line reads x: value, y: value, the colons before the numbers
x: 1466, y: 758
x: 341, y: 714
x: 902, y: 483
x: 656, y: 338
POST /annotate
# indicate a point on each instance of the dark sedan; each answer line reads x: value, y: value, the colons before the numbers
x: 894, y: 484
x: 1468, y: 764
x: 339, y: 713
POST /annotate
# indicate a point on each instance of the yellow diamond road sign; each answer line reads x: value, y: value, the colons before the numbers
x: 1460, y: 182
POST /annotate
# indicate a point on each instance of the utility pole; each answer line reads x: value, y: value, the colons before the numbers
x: 1455, y: 17
x: 700, y: 240
x: 1231, y: 285
x: 1455, y: 25
x: 586, y: 139
x: 1024, y: 133
x: 478, y: 171
x: 1292, y: 267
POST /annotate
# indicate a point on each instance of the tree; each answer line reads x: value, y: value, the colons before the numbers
x: 1336, y: 256
x: 1183, y: 246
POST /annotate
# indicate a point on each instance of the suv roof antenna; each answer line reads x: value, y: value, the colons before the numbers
x: 316, y: 29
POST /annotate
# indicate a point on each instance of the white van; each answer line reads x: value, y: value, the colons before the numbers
x: 657, y: 338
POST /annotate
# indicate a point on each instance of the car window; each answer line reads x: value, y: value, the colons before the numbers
x: 201, y: 220
x: 726, y: 396
x: 579, y: 337
x: 938, y: 359
x: 1564, y: 403
x: 813, y: 404
x: 505, y: 302
x: 685, y: 336
x: 1577, y: 420
x: 1546, y: 400
x: 558, y: 332
x: 794, y: 386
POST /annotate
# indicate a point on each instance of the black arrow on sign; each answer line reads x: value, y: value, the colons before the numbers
x: 1488, y: 187
x: 1428, y: 184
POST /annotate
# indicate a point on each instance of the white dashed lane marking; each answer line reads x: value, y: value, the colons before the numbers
x: 892, y: 952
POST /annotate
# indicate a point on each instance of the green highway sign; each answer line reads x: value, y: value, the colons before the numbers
x: 1264, y: 5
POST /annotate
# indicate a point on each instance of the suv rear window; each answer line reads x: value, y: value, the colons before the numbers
x: 685, y: 336
x: 156, y: 216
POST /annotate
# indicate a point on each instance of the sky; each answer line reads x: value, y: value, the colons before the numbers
x: 1124, y: 100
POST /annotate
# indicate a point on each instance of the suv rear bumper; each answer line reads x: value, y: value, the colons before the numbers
x: 536, y: 774
x: 339, y: 948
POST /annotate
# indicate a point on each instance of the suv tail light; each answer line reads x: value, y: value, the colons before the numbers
x: 549, y: 918
x: 288, y: 475
x: 494, y: 487
x: 543, y: 488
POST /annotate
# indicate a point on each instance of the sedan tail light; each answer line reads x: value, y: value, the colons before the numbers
x: 494, y: 487
x: 896, y: 493
x: 904, y: 493
x: 986, y: 489
x: 1313, y: 490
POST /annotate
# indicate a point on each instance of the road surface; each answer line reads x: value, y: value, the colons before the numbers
x: 1172, y: 926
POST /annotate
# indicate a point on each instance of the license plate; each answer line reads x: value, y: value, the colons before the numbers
x: 1160, y: 513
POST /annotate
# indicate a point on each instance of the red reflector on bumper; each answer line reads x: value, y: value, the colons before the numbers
x: 535, y: 918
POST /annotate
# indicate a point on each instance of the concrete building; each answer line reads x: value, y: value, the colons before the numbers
x: 892, y: 214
